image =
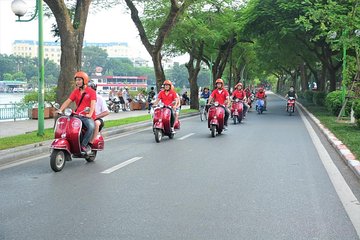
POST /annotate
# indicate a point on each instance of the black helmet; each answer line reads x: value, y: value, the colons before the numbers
x: 93, y: 85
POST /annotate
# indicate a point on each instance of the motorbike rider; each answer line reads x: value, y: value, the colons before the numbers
x: 291, y: 93
x: 205, y: 94
x: 221, y: 95
x: 262, y: 96
x: 150, y: 98
x: 83, y: 96
x: 101, y: 110
x: 177, y: 105
x: 240, y: 94
x: 169, y: 98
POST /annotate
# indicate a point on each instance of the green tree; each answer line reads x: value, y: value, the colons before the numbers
x: 93, y: 57
x: 70, y: 19
x: 160, y: 16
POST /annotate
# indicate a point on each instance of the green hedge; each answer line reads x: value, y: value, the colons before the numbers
x: 319, y: 98
x: 308, y: 95
x: 50, y: 96
x: 333, y: 102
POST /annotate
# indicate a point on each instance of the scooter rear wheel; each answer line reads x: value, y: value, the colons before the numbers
x: 235, y: 119
x: 57, y: 160
x: 158, y: 135
x: 92, y: 157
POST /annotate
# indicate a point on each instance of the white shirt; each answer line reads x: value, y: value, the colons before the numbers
x: 100, y: 105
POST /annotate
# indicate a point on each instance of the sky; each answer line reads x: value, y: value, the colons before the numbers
x: 111, y: 25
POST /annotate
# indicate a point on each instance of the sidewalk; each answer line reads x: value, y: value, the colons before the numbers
x: 12, y: 128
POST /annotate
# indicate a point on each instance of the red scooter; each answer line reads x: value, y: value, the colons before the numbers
x: 66, y: 145
x: 216, y: 117
x: 161, y: 123
x: 290, y: 105
x: 237, y: 112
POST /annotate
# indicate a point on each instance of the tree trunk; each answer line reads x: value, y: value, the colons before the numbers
x: 175, y: 11
x: 332, y: 78
x: 322, y: 79
x: 158, y: 68
x: 71, y: 33
x: 304, y: 79
x: 195, y: 54
x: 222, y: 58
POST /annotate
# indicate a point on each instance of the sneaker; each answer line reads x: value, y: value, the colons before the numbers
x: 173, y: 130
x: 86, y: 150
x: 225, y: 128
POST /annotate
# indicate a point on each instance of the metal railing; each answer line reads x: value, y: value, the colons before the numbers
x: 15, y: 111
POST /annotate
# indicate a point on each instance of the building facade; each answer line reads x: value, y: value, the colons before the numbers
x: 52, y: 50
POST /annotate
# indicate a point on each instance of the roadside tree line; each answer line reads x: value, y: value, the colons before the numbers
x: 293, y: 42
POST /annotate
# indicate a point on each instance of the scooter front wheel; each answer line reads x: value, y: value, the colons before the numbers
x: 213, y: 130
x: 158, y: 135
x: 57, y: 160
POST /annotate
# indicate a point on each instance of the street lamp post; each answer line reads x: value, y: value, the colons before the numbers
x: 19, y: 8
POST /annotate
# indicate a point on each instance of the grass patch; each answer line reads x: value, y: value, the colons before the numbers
x: 348, y: 133
x: 25, y: 139
x: 124, y: 121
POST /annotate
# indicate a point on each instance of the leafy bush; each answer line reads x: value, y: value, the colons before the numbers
x: 308, y: 95
x: 333, y: 102
x: 301, y: 95
x: 319, y: 98
x: 31, y: 97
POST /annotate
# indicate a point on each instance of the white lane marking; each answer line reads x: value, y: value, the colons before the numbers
x: 347, y: 197
x: 186, y: 136
x: 121, y: 165
x: 121, y: 135
x: 14, y: 164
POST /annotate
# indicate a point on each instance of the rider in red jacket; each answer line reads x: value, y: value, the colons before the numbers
x: 240, y: 94
x: 261, y: 95
x: 221, y: 95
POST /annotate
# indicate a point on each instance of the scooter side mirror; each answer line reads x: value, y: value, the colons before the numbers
x: 56, y: 106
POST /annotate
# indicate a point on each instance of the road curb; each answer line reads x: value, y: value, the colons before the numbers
x: 344, y: 152
x: 18, y: 154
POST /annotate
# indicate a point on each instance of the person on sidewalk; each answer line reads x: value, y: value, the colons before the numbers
x: 101, y: 110
x: 84, y: 97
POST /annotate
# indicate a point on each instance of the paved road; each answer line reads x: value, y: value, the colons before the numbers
x: 262, y: 179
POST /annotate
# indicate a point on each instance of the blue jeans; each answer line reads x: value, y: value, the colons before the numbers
x: 90, y: 126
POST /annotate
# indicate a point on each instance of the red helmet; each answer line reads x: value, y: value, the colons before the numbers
x: 219, y: 81
x: 261, y: 89
x: 239, y: 84
x: 82, y: 75
x: 167, y: 82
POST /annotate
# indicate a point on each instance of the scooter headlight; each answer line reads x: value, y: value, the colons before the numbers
x: 237, y: 100
x: 161, y: 104
x: 68, y: 112
x: 216, y: 104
